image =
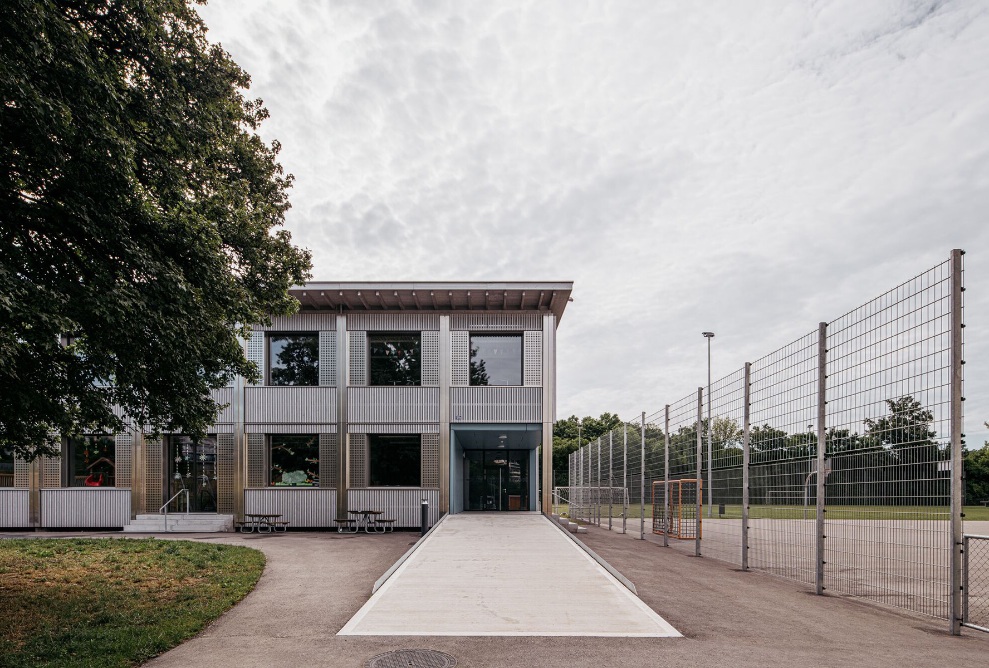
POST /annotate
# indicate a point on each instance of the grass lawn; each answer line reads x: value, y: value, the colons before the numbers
x: 972, y: 513
x: 113, y: 602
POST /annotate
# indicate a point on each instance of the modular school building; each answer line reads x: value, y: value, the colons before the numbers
x: 374, y: 396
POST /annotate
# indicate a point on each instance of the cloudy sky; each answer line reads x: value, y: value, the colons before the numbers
x: 750, y: 168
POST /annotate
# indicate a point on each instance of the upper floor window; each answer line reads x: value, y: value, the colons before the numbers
x: 496, y: 359
x: 394, y: 359
x: 293, y: 359
x: 91, y: 461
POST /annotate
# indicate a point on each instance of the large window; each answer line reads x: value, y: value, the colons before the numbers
x: 496, y: 359
x: 90, y: 461
x: 6, y: 467
x: 293, y: 359
x: 394, y: 460
x: 294, y: 461
x: 395, y: 359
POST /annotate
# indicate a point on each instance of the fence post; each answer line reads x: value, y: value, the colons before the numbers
x: 642, y: 477
x: 746, y: 427
x: 822, y: 370
x: 611, y: 437
x: 597, y: 496
x: 700, y: 457
x: 957, y: 417
x: 666, y: 478
x: 624, y: 476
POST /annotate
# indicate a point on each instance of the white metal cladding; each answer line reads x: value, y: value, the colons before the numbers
x: 256, y: 459
x: 392, y: 428
x: 358, y: 357
x: 15, y: 508
x: 306, y: 321
x: 307, y: 507
x: 294, y: 404
x: 225, y: 473
x: 22, y: 473
x: 393, y: 322
x: 488, y: 322
x: 254, y: 352
x: 430, y: 343
x: 358, y: 460
x: 290, y: 428
x: 460, y: 358
x: 532, y: 363
x: 97, y: 507
x: 327, y: 357
x: 153, y: 473
x: 430, y: 463
x: 327, y: 460
x: 496, y: 404
x: 402, y: 504
x: 224, y: 397
x: 123, y: 449
x: 51, y: 469
x: 393, y: 404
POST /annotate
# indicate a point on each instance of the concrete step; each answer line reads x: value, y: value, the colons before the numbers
x: 181, y: 523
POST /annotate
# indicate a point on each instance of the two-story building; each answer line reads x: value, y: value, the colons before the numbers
x: 374, y: 395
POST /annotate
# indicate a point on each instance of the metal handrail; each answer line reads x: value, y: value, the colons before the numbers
x: 179, y: 493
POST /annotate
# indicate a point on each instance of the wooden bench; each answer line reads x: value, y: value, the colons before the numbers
x: 346, y: 526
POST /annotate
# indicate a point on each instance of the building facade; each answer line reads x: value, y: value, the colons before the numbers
x: 374, y: 395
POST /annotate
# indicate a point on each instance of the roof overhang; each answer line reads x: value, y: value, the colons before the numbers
x: 436, y: 296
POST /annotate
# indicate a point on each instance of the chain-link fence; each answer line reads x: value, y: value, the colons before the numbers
x: 834, y: 461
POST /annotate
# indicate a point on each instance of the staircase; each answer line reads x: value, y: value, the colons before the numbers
x: 181, y: 523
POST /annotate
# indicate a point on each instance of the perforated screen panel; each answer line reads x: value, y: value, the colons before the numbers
x: 327, y: 460
x: 255, y: 352
x: 153, y: 473
x: 256, y: 473
x: 430, y: 359
x: 503, y: 322
x: 51, y: 470
x: 22, y: 474
x: 460, y: 358
x: 532, y: 362
x: 358, y: 460
x: 124, y: 447
x: 430, y: 460
x: 225, y: 473
x: 328, y: 358
x: 358, y: 358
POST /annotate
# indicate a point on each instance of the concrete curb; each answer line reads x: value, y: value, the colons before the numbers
x: 401, y: 560
x: 594, y: 555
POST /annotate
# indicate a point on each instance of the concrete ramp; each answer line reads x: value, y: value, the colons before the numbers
x: 506, y: 574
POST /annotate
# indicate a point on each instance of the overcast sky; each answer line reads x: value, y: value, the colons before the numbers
x: 749, y: 168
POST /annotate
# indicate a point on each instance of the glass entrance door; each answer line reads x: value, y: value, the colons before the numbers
x: 497, y: 480
x: 192, y: 466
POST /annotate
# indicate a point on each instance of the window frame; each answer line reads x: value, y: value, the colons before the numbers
x: 269, y: 462
x: 516, y: 334
x: 370, y: 467
x: 68, y: 465
x: 386, y: 333
x: 268, y: 336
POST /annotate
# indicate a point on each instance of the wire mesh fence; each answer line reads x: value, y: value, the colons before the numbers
x: 834, y: 461
x: 975, y: 605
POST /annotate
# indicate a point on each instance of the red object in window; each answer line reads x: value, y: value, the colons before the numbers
x: 94, y: 480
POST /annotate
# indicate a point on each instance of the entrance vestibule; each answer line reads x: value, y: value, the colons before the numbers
x: 497, y: 480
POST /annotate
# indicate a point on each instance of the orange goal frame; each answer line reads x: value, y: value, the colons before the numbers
x: 684, y: 520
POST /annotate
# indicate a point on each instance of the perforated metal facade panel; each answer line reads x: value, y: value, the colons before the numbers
x: 327, y: 358
x: 358, y: 358
x: 256, y: 469
x: 22, y: 474
x: 300, y: 507
x: 430, y: 359
x: 532, y: 358
x: 491, y: 322
x: 402, y: 504
x: 51, y: 470
x: 393, y: 404
x: 124, y: 447
x: 393, y: 322
x: 154, y: 457
x: 255, y: 352
x: 226, y: 415
x: 496, y: 404
x: 327, y: 460
x: 408, y: 428
x: 430, y: 460
x: 358, y: 460
x: 225, y: 473
x: 290, y: 428
x: 307, y: 321
x: 282, y: 404
x: 460, y: 358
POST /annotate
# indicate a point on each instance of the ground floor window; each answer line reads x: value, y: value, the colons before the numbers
x: 6, y: 467
x: 192, y: 467
x: 294, y: 461
x: 90, y: 461
x: 394, y: 460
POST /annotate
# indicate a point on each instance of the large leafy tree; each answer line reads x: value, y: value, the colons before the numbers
x: 138, y: 219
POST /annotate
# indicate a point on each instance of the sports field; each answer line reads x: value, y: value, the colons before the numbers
x: 796, y: 512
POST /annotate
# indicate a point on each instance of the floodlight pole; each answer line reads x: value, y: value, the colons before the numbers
x: 710, y: 453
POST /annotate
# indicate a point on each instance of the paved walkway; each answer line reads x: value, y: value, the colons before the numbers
x: 504, y: 575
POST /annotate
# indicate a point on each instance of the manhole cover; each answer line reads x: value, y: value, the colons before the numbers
x: 412, y: 658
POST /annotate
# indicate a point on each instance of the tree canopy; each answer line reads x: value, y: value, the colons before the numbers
x: 138, y: 219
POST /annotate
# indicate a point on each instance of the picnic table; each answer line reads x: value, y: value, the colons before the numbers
x: 262, y: 523
x: 367, y: 520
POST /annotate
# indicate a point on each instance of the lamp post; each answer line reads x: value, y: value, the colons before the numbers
x: 710, y: 453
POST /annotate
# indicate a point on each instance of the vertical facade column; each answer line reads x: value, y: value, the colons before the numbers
x: 34, y: 485
x: 138, y: 475
x: 746, y: 427
x: 343, y: 428
x: 446, y: 366
x: 957, y: 428
x: 240, y: 446
x: 549, y: 407
x: 822, y: 370
x: 700, y: 457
